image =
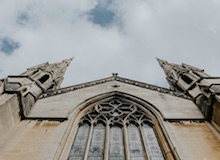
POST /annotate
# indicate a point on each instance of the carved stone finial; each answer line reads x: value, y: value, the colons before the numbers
x: 114, y: 74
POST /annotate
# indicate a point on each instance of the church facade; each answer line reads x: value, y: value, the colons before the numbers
x: 110, y: 119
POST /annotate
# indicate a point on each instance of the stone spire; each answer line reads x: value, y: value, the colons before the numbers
x: 34, y: 81
x: 49, y: 76
x: 180, y: 76
x: 204, y: 89
x: 171, y: 72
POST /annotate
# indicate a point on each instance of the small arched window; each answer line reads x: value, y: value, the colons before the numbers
x: 44, y: 78
x: 115, y: 129
x: 187, y: 79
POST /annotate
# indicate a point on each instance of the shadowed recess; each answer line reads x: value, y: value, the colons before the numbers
x: 7, y: 45
x: 102, y: 15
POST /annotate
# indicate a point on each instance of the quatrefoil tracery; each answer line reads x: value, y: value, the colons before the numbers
x: 116, y: 111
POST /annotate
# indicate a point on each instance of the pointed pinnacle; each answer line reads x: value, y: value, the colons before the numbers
x: 167, y: 67
x: 161, y: 62
x: 68, y: 61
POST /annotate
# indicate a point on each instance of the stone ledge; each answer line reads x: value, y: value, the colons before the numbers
x: 114, y: 78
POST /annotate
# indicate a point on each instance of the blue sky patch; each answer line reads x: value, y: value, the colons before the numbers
x: 7, y: 45
x: 102, y: 15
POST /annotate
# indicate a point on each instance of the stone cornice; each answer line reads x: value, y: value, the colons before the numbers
x: 113, y: 78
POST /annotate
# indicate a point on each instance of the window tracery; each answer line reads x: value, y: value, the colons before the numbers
x: 115, y: 129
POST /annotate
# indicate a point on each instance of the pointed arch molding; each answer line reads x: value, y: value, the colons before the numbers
x: 155, y: 120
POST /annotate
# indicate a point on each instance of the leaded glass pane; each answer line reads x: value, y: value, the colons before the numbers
x: 116, y: 148
x: 78, y: 148
x: 153, y: 147
x: 135, y: 145
x: 96, y: 150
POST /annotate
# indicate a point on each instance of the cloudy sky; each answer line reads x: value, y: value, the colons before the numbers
x: 106, y: 36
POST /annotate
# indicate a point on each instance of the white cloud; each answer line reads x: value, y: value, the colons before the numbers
x: 179, y: 31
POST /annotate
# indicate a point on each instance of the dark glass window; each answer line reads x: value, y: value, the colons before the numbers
x: 187, y: 79
x: 44, y: 78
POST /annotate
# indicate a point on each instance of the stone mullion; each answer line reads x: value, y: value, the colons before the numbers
x: 88, y: 142
x: 143, y: 142
x: 126, y: 148
x: 106, y: 150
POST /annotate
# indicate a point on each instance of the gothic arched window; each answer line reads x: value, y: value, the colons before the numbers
x: 115, y: 129
x: 44, y: 78
x: 186, y: 79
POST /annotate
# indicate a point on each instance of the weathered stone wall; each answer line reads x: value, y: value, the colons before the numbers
x: 9, y: 113
x: 1, y: 87
x: 216, y: 115
x: 33, y: 140
x: 195, y: 141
